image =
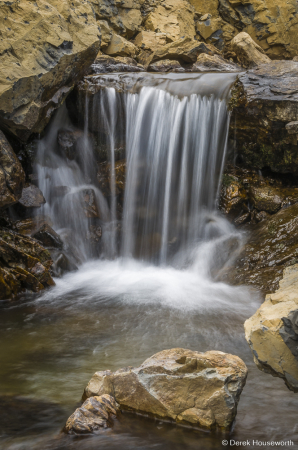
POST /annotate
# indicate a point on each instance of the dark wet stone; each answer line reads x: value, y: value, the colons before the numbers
x: 62, y: 264
x: 32, y: 197
x: 48, y: 237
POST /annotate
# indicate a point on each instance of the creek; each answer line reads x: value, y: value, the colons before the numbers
x: 150, y: 283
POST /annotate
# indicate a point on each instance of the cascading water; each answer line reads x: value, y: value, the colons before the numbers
x: 175, y: 138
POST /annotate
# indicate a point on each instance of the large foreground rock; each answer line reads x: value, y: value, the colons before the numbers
x: 249, y: 53
x: 188, y: 387
x: 95, y: 414
x: 12, y: 176
x: 264, y: 101
x: 45, y: 47
x: 272, y: 332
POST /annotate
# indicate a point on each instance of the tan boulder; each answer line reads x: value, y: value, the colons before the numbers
x: 119, y: 46
x: 12, y: 176
x: 272, y: 332
x: 188, y: 387
x: 249, y: 54
x: 132, y: 20
x: 106, y: 34
x: 45, y: 47
x: 148, y: 40
x: 185, y: 49
x: 166, y: 65
x: 173, y: 17
x: 214, y: 63
x: 95, y: 414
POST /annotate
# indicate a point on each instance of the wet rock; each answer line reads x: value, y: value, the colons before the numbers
x: 104, y: 178
x: 12, y: 176
x: 166, y: 65
x: 48, y: 237
x: 107, y: 64
x: 31, y: 197
x: 89, y: 203
x: 94, y: 234
x: 62, y: 264
x: 243, y: 218
x: 60, y: 191
x: 215, y: 63
x: 188, y: 387
x: 249, y: 53
x: 264, y: 100
x: 261, y: 215
x: 185, y: 50
x: 24, y: 264
x: 31, y: 225
x: 266, y: 198
x: 45, y: 50
x: 292, y: 127
x: 95, y: 414
x: 272, y: 332
x: 68, y: 141
x: 271, y: 246
x: 233, y: 197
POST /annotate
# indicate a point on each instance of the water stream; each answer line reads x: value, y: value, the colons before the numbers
x: 152, y: 283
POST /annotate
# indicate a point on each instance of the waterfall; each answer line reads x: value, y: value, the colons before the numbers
x: 174, y: 129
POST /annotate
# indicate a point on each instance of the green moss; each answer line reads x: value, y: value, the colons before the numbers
x: 227, y: 180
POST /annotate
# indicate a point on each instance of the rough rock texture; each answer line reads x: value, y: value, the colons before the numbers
x: 271, y: 246
x: 12, y: 176
x: 32, y: 197
x: 119, y: 46
x: 94, y: 414
x: 45, y: 47
x: 166, y: 65
x: 264, y: 100
x: 272, y: 332
x: 215, y: 63
x: 198, y: 389
x: 24, y: 264
x: 249, y: 53
x: 273, y: 24
x: 48, y: 237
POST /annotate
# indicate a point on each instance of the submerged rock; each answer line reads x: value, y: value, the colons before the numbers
x: 188, y: 387
x: 12, y: 176
x: 94, y: 414
x: 272, y: 332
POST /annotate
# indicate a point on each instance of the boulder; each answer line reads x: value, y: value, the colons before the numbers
x: 132, y: 20
x: 249, y: 53
x: 32, y: 197
x: 119, y: 46
x: 266, y: 198
x: 150, y: 41
x: 62, y: 264
x: 233, y: 197
x: 31, y: 225
x: 185, y: 50
x: 48, y: 237
x: 272, y: 332
x: 12, y: 176
x: 166, y: 65
x: 264, y: 100
x: 89, y: 203
x: 68, y: 141
x: 24, y: 264
x: 46, y: 47
x: 214, y: 63
x: 184, y: 386
x: 106, y: 34
x: 95, y: 414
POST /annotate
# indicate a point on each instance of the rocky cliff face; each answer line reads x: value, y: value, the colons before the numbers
x: 45, y: 47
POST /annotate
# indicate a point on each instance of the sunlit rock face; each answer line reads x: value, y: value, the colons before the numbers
x: 272, y: 332
x: 46, y: 47
x: 188, y: 387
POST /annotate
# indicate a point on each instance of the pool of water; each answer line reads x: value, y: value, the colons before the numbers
x: 112, y: 314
